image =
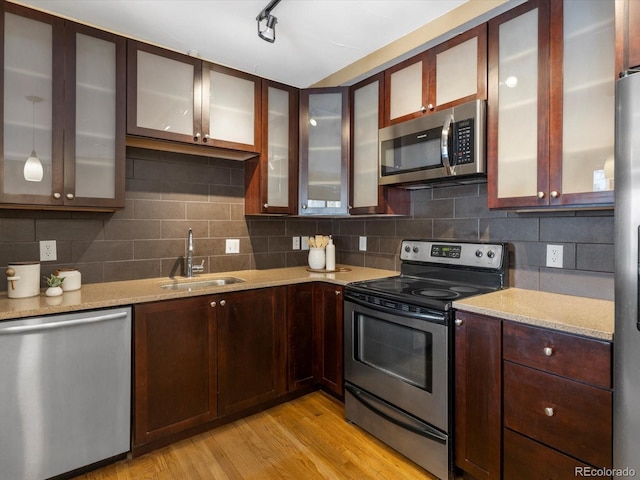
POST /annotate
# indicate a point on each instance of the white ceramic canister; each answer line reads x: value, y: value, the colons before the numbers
x: 23, y: 279
x: 316, y: 258
x: 72, y: 279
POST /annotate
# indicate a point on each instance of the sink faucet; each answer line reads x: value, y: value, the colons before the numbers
x: 191, y: 268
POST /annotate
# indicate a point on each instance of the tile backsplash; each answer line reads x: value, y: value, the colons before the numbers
x: 168, y: 193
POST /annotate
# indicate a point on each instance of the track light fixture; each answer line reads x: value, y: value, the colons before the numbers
x: 267, y: 22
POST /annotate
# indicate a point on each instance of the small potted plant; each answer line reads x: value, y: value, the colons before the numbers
x: 54, y: 283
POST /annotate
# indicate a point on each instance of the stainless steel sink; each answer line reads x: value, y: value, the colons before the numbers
x: 192, y: 285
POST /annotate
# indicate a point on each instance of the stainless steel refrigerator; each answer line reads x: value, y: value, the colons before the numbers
x: 626, y: 411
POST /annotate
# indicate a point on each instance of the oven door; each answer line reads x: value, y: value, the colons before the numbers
x: 400, y: 359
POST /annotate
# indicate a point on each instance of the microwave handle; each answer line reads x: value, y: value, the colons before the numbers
x: 444, y: 146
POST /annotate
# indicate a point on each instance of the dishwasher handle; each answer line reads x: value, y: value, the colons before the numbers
x: 20, y: 329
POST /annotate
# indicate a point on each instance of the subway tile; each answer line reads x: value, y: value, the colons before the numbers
x: 228, y: 228
x: 185, y: 192
x: 451, y: 229
x: 68, y: 229
x: 456, y: 191
x: 230, y: 263
x: 132, y: 229
x: 475, y: 207
x: 267, y: 227
x: 154, y: 209
x: 265, y: 261
x: 159, y: 170
x: 208, y: 211
x: 348, y: 257
x: 386, y: 262
x: 380, y: 227
x: 575, y: 282
x: 18, y: 252
x: 131, y: 270
x: 237, y: 211
x: 390, y: 245
x: 226, y: 194
x: 91, y: 272
x: 180, y: 229
x: 175, y: 267
x: 583, y: 229
x: 524, y: 277
x: 148, y: 189
x: 17, y: 230
x: 280, y: 244
x: 352, y: 227
x: 237, y: 176
x: 144, y: 249
x: 414, y: 228
x: 101, y: 251
x: 595, y: 257
x: 508, y: 229
x: 300, y: 227
x: 434, y: 209
x: 298, y: 258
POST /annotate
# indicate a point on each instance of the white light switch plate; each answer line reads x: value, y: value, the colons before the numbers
x: 232, y: 245
x: 362, y: 244
x: 48, y: 251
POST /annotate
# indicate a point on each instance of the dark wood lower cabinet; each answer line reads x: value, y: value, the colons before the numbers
x: 478, y: 427
x: 328, y: 314
x: 300, y: 342
x: 251, y: 348
x: 175, y: 383
x: 201, y: 361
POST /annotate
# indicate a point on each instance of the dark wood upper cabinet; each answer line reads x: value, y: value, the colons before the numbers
x: 183, y: 99
x: 271, y: 180
x: 551, y: 105
x: 451, y: 73
x: 366, y: 196
x: 64, y: 99
x: 324, y: 151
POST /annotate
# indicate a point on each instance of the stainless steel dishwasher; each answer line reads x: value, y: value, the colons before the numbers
x: 65, y: 390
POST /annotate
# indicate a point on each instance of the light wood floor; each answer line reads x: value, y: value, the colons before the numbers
x: 305, y: 439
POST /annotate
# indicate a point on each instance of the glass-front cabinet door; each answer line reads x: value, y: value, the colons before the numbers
x: 162, y: 98
x: 582, y: 160
x: 324, y: 151
x: 32, y: 166
x: 95, y: 145
x: 518, y: 111
x: 63, y: 113
x: 550, y: 139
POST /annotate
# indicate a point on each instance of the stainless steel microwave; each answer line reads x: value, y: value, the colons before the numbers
x: 448, y: 145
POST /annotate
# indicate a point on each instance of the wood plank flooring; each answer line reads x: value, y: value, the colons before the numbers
x: 305, y: 439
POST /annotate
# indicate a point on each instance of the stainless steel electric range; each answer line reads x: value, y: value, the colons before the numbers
x: 399, y: 345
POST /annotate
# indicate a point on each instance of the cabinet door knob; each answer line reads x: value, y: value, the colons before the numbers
x: 304, y: 207
x: 458, y: 322
x: 206, y: 138
x: 431, y: 107
x: 549, y: 412
x: 266, y: 205
x: 212, y: 304
x: 555, y: 194
x: 540, y: 194
x: 337, y: 293
x: 196, y: 137
x: 548, y: 351
x: 223, y: 303
x: 57, y: 196
x: 70, y: 196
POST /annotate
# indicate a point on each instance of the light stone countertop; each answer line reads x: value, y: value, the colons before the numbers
x: 111, y: 294
x: 582, y: 316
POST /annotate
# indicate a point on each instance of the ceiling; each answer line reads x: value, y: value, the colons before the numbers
x: 314, y: 38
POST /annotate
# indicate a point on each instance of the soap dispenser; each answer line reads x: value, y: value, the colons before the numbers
x: 330, y: 252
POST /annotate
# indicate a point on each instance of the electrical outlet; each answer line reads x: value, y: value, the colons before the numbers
x: 304, y: 243
x: 232, y: 245
x: 296, y: 243
x: 48, y: 252
x: 362, y: 244
x: 554, y: 256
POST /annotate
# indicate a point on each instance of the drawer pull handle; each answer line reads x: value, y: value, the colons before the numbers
x: 548, y: 351
x: 549, y: 412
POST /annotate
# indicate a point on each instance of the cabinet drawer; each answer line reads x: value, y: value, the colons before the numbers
x: 525, y: 459
x: 582, y: 359
x: 569, y: 416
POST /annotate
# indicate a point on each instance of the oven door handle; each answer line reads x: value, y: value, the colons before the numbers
x: 396, y: 417
x: 431, y: 317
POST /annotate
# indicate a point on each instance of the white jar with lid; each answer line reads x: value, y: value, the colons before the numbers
x: 72, y: 278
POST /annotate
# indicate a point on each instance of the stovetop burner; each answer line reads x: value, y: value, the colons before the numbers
x: 434, y: 274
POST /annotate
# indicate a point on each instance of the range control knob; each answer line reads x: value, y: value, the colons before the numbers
x: 479, y: 253
x: 407, y: 248
x: 416, y: 249
x: 491, y: 254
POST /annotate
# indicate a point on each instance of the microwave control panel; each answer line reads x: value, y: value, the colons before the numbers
x: 463, y: 142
